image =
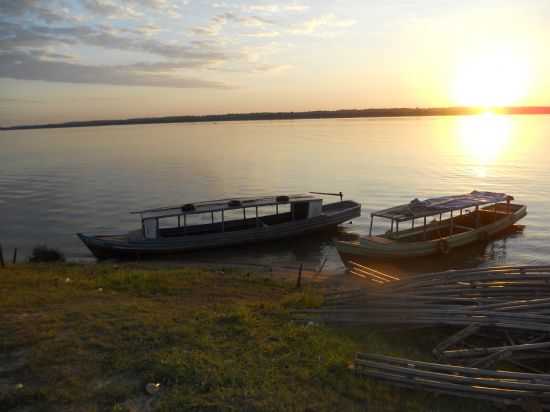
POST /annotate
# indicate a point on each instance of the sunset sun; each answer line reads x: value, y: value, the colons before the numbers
x: 493, y: 79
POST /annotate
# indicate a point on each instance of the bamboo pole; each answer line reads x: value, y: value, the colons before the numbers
x: 456, y: 338
x: 385, y: 275
x: 535, y: 377
x: 471, y: 379
x: 474, y: 352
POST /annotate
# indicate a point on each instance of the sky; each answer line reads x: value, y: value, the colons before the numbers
x: 63, y: 60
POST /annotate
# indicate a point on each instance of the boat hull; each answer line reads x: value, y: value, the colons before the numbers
x: 380, y: 248
x: 123, y: 246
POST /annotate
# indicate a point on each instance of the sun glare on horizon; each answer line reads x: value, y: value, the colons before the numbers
x: 498, y: 78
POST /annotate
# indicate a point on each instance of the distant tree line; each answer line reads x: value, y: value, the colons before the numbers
x: 318, y: 114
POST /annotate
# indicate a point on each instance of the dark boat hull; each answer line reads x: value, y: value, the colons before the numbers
x: 104, y: 247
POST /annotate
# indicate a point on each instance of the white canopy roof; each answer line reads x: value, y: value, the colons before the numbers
x: 223, y: 204
x: 429, y: 207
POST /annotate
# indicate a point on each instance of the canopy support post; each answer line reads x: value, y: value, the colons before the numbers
x: 371, y: 222
x: 223, y: 222
x: 412, y: 227
x: 257, y: 222
x: 391, y: 228
x: 424, y: 234
x: 179, y: 222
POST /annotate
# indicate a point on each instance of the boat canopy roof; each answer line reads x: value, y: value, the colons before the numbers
x: 223, y: 204
x: 429, y: 207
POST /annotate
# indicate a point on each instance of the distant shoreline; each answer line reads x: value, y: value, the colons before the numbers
x: 318, y: 114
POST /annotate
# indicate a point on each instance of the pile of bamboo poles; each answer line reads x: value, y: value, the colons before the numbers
x: 504, y: 283
x: 508, y: 388
x: 500, y: 313
x: 424, y: 315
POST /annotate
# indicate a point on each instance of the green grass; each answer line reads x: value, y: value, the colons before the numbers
x: 214, y: 341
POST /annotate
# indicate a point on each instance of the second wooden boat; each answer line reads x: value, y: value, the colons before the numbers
x: 459, y: 221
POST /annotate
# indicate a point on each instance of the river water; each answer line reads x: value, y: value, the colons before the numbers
x: 57, y: 182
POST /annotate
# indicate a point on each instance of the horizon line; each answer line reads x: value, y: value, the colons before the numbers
x: 291, y: 115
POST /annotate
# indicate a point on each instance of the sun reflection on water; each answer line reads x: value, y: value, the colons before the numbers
x: 484, y: 139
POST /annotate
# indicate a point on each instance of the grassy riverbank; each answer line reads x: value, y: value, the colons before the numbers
x: 90, y: 337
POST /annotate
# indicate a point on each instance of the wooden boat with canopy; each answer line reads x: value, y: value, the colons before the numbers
x: 224, y: 222
x: 455, y: 221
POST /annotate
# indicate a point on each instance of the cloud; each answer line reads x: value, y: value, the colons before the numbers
x: 111, y: 9
x: 50, y: 12
x: 44, y: 39
x: 258, y: 54
x: 10, y: 100
x: 276, y: 8
x: 264, y: 34
x: 131, y: 9
x: 272, y: 68
x: 14, y: 37
x: 254, y: 21
x: 328, y: 21
x: 25, y: 66
x: 148, y: 29
x: 17, y: 7
x: 216, y: 23
x: 214, y: 26
x: 29, y: 52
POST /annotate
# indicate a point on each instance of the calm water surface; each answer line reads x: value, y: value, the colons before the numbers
x: 54, y: 183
